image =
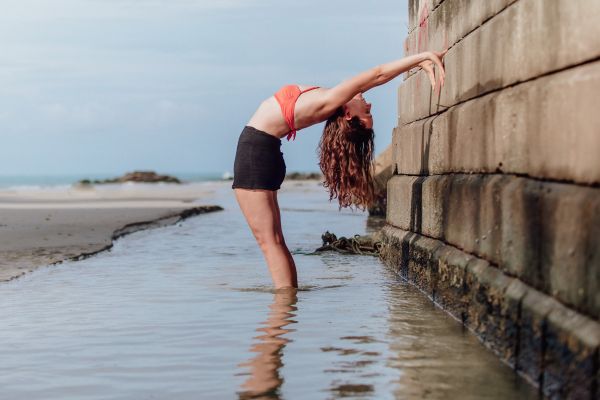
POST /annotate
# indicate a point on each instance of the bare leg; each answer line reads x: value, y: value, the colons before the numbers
x: 262, y: 214
x: 289, y: 255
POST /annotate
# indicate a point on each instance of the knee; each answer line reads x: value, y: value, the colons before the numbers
x: 268, y: 240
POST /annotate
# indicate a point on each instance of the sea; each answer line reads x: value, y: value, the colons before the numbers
x: 187, y: 311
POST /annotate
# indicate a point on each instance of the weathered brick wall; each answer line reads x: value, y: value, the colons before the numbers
x: 494, y: 206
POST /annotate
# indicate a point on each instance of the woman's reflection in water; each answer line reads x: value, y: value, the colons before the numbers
x: 265, y: 381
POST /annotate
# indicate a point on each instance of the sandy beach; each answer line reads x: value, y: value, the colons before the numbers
x: 42, y: 226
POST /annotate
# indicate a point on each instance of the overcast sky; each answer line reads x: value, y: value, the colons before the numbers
x: 107, y: 86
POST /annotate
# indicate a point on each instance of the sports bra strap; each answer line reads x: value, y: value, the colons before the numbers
x: 309, y: 89
x: 287, y: 97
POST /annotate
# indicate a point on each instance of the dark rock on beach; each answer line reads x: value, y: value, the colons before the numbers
x: 135, y: 176
x: 301, y: 176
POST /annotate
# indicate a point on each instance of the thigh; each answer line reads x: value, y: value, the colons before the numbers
x: 261, y: 212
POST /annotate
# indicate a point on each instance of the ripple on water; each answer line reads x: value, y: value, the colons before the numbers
x: 301, y: 288
x: 187, y: 312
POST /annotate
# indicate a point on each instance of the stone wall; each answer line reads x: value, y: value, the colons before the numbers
x: 493, y: 209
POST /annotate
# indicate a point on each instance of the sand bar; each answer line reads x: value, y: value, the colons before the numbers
x: 42, y: 226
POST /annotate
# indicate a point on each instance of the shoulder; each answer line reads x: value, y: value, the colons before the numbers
x: 323, y: 101
x: 315, y: 104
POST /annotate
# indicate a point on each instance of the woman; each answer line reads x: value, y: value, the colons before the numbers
x: 345, y: 150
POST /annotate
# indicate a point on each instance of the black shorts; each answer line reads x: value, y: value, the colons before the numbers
x: 258, y: 161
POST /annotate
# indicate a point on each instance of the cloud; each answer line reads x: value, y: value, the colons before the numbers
x: 108, y: 9
x: 89, y: 76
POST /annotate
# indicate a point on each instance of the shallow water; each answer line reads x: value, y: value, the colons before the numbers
x: 186, y: 312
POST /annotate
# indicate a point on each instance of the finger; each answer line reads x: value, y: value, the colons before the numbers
x: 431, y: 78
x: 436, y: 60
x: 441, y: 54
x: 440, y: 65
x: 427, y: 67
x: 442, y: 70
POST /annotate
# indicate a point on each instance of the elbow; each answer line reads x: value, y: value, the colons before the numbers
x: 378, y: 76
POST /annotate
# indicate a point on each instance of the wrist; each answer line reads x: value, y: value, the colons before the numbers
x: 425, y: 56
x: 418, y: 59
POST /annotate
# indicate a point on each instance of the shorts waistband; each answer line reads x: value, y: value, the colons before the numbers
x: 254, y: 134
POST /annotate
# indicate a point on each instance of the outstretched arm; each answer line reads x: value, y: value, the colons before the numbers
x: 345, y: 91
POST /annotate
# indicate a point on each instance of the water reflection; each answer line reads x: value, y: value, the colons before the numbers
x: 438, y: 358
x: 265, y: 379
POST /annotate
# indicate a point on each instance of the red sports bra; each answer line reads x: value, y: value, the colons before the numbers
x: 287, y: 97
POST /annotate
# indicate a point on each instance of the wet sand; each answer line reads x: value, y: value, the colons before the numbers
x: 42, y: 226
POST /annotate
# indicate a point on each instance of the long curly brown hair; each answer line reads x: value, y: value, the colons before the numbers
x: 346, y: 158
